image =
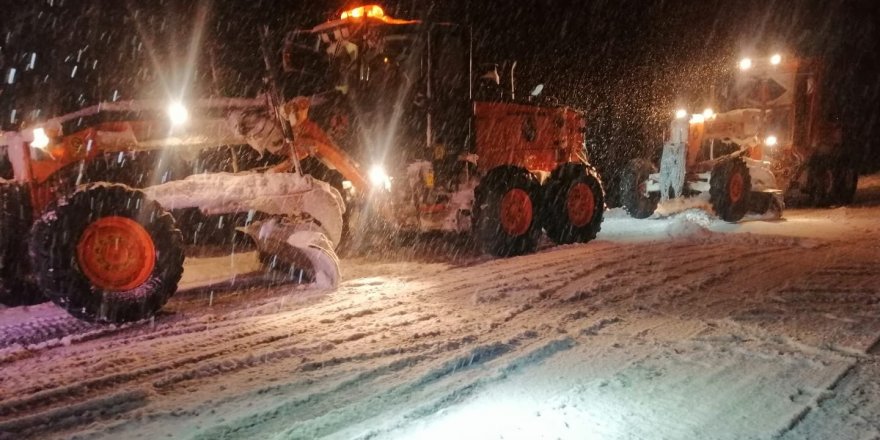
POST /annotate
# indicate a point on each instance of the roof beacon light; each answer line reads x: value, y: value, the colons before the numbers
x: 373, y: 11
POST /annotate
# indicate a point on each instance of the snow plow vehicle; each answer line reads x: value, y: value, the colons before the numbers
x: 103, y: 202
x: 449, y: 149
x: 770, y: 144
x: 87, y: 215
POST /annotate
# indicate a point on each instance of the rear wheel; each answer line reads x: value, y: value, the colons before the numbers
x: 729, y: 189
x: 846, y: 181
x: 107, y: 253
x: 820, y: 182
x: 574, y: 204
x: 831, y: 181
x: 506, y: 203
x: 633, y: 193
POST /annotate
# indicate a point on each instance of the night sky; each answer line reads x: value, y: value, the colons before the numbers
x: 628, y: 62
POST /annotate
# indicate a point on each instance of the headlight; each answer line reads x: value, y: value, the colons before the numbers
x: 379, y: 178
x: 177, y: 113
x: 776, y: 59
x: 708, y: 113
x: 745, y: 64
x: 771, y: 141
x: 680, y: 113
x: 41, y: 140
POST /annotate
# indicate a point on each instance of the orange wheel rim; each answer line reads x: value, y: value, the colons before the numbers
x: 516, y: 212
x: 736, y: 187
x: 581, y: 204
x: 116, y: 253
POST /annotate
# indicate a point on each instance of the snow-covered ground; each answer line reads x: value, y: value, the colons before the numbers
x: 680, y: 327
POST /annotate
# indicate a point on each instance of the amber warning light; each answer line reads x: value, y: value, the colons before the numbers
x: 373, y: 11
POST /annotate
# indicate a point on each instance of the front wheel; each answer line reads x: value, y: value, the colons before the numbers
x: 108, y: 254
x: 506, y: 204
x: 574, y: 204
x: 634, y: 196
x: 729, y: 189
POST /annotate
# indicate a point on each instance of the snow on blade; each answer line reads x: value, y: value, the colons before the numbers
x: 281, y: 194
x: 301, y: 245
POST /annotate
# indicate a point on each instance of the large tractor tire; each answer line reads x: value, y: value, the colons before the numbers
x: 507, y: 221
x: 820, y: 182
x: 16, y: 284
x: 846, y: 181
x: 107, y: 253
x: 831, y: 181
x: 573, y: 204
x: 633, y: 196
x: 730, y: 189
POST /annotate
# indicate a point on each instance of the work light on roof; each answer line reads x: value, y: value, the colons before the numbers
x: 373, y: 11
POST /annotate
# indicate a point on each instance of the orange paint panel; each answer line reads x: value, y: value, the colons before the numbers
x: 533, y: 137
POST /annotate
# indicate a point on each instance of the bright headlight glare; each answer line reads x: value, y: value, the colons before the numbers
x: 771, y: 141
x: 379, y: 178
x: 41, y: 140
x: 680, y: 113
x: 776, y: 59
x: 708, y: 113
x: 177, y: 113
x: 745, y: 64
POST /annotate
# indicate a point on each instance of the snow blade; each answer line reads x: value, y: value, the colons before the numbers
x: 277, y: 194
x: 306, y: 214
x: 300, y: 245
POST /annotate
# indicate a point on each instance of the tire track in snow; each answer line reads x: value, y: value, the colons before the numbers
x: 346, y: 320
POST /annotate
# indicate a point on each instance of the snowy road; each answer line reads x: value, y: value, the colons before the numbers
x: 674, y: 328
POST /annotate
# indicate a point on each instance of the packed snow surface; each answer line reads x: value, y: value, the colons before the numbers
x: 674, y: 327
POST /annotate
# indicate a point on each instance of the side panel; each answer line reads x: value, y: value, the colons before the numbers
x: 533, y: 137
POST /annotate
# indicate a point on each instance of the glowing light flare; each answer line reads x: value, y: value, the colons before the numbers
x: 41, y: 140
x: 681, y: 113
x: 178, y: 114
x: 373, y: 11
x: 745, y: 64
x: 771, y: 141
x: 776, y: 59
x: 708, y: 113
x: 379, y: 178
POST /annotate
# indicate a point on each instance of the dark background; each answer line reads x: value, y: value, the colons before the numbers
x: 629, y: 63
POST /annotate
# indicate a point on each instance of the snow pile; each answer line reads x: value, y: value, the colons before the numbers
x: 693, y: 224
